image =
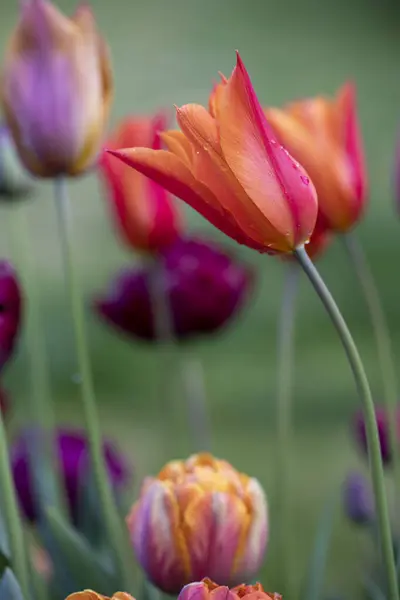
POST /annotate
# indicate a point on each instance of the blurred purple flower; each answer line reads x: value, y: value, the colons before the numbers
x: 204, y: 286
x: 15, y: 182
x: 383, y: 430
x: 73, y: 452
x: 10, y: 311
x: 357, y: 499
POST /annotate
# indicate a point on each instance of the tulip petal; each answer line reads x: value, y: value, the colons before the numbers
x: 222, y: 592
x: 210, y: 167
x: 158, y: 540
x: 171, y: 173
x: 194, y: 591
x: 270, y: 176
x: 178, y: 144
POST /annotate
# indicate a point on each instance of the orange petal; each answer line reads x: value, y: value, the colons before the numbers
x: 210, y: 168
x: 273, y: 180
x: 178, y: 144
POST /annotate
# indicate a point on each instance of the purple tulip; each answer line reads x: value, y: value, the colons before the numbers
x: 204, y: 287
x: 10, y: 311
x: 383, y: 430
x: 73, y: 451
x: 357, y: 499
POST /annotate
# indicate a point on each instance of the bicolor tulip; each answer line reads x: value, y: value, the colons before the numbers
x: 91, y: 595
x: 208, y: 590
x: 324, y: 135
x: 56, y: 89
x: 197, y: 518
x: 205, y: 288
x: 15, y: 182
x: 230, y: 168
x: 145, y: 214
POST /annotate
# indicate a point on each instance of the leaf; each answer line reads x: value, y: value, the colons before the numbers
x: 89, y: 521
x: 319, y: 554
x: 87, y: 569
x: 149, y: 591
x: 9, y: 586
x: 373, y: 590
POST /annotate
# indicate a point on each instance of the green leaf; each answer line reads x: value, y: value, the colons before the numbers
x: 9, y: 586
x: 319, y: 554
x: 87, y: 568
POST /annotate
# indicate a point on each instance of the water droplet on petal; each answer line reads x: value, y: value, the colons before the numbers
x: 305, y: 179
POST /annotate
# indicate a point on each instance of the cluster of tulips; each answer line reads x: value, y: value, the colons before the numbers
x: 283, y: 182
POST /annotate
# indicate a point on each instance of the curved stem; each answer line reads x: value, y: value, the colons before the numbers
x: 285, y: 344
x: 383, y: 343
x: 374, y: 449
x: 9, y: 503
x: 113, y: 525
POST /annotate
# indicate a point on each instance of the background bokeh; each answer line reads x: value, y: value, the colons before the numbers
x: 169, y: 52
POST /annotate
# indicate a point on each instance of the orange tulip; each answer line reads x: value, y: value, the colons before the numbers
x: 208, y: 590
x: 227, y: 165
x: 91, y: 595
x: 323, y: 134
x: 145, y: 213
x: 56, y: 89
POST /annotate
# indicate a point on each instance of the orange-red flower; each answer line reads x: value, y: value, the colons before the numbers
x: 323, y: 134
x: 227, y: 165
x: 91, y: 595
x: 208, y: 590
x: 56, y: 89
x: 198, y: 518
x: 145, y: 213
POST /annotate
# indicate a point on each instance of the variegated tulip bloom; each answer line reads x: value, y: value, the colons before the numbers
x: 198, y: 518
x: 91, y: 595
x: 208, y: 590
x: 56, y: 89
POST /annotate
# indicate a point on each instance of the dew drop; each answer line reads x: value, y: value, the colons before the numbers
x: 305, y: 179
x: 273, y: 142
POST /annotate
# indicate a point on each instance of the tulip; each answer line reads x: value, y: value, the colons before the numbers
x: 199, y: 517
x: 10, y: 311
x: 229, y: 167
x: 91, y: 595
x: 358, y: 500
x: 208, y: 590
x: 145, y: 214
x: 73, y: 454
x: 383, y: 430
x: 15, y: 181
x: 56, y: 89
x: 205, y: 289
x: 323, y: 134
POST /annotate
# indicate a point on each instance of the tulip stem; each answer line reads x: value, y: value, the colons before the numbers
x: 113, y: 525
x: 199, y: 422
x: 285, y: 344
x: 9, y: 504
x: 383, y: 343
x: 48, y: 490
x: 373, y: 444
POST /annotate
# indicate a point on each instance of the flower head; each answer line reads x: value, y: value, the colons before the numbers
x: 204, y: 286
x: 228, y: 166
x: 10, y: 311
x: 145, y: 213
x: 208, y: 590
x: 56, y: 89
x: 91, y: 595
x: 323, y: 134
x: 197, y: 518
x: 357, y: 499
x: 15, y: 181
x: 360, y: 434
x: 73, y: 451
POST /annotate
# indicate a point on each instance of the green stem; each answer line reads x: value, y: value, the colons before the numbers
x: 43, y: 458
x: 9, y: 503
x: 285, y: 345
x: 383, y: 344
x: 374, y: 450
x: 115, y: 530
x: 196, y: 399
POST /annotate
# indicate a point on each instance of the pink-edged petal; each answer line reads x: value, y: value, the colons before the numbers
x: 169, y: 171
x: 275, y: 182
x: 194, y: 591
x: 210, y: 167
x: 223, y: 593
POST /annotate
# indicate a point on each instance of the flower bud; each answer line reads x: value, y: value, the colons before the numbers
x: 197, y: 518
x: 208, y: 590
x: 357, y: 499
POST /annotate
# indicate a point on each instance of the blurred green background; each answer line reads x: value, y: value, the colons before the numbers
x: 169, y: 52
